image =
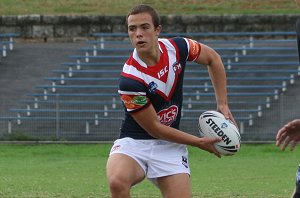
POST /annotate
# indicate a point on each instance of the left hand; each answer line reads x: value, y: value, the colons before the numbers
x: 227, y: 113
x: 289, y: 134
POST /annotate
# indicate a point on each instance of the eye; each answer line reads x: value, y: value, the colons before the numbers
x: 145, y: 27
x: 131, y: 28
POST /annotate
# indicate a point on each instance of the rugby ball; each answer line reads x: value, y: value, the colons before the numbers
x: 214, y: 124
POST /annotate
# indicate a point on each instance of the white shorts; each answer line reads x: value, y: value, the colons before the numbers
x: 158, y: 158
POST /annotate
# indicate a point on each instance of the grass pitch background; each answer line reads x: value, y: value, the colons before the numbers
x: 65, y: 171
x: 175, y: 7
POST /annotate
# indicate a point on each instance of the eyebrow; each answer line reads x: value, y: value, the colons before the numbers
x: 143, y: 24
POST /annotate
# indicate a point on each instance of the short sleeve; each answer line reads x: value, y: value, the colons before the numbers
x: 194, y: 49
x: 133, y: 94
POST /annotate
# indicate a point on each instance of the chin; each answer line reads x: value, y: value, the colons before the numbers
x: 141, y: 49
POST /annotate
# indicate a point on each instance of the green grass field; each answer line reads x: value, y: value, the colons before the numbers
x: 65, y: 171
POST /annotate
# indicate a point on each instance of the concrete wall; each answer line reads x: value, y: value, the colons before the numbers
x: 50, y: 26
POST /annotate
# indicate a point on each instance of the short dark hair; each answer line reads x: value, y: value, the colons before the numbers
x: 142, y: 8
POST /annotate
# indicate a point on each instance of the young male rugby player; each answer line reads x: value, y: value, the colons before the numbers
x: 150, y: 143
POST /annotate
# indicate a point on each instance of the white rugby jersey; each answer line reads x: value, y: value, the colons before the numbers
x: 159, y: 85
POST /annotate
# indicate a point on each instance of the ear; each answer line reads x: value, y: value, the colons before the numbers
x: 158, y: 30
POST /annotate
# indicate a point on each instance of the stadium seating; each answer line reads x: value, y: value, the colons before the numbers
x: 7, y: 42
x: 80, y: 100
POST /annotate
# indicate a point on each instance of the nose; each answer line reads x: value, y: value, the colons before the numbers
x: 139, y: 32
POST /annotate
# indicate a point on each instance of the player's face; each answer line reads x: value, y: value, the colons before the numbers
x: 142, y: 33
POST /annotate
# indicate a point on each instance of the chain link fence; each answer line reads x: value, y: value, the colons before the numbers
x: 98, y: 122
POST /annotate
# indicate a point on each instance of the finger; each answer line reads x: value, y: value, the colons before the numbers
x: 226, y: 115
x: 280, y: 133
x: 278, y: 143
x: 216, y: 152
x: 281, y: 139
x: 293, y: 145
x: 232, y: 120
x: 215, y: 140
x: 218, y: 155
x: 286, y: 143
x: 211, y: 140
x: 211, y: 148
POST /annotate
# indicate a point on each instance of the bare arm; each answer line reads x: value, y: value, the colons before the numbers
x: 216, y: 70
x: 148, y: 120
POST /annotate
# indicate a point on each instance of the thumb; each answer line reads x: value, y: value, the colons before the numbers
x: 214, y: 140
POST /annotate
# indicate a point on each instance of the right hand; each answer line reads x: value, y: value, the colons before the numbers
x: 207, y: 144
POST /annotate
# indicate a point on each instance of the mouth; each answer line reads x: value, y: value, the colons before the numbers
x: 141, y: 43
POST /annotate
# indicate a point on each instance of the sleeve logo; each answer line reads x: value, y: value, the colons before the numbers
x: 194, y: 50
x: 133, y: 102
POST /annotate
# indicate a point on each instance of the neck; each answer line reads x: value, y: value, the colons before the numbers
x: 151, y: 58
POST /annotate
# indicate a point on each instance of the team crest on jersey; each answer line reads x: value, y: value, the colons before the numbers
x: 168, y: 116
x: 177, y: 68
x: 152, y: 87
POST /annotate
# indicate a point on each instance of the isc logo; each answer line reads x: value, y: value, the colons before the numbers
x: 162, y: 72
